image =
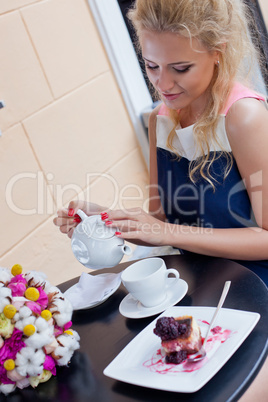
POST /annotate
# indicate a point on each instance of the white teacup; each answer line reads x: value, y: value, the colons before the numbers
x: 147, y: 282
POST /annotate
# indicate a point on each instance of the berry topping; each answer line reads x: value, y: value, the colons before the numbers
x: 176, y: 357
x: 168, y: 328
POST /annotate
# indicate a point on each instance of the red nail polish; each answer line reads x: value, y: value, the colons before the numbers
x: 78, y: 219
x: 71, y: 212
x: 104, y: 215
x: 118, y: 233
x: 108, y: 222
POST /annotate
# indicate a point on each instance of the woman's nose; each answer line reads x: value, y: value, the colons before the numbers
x: 165, y: 82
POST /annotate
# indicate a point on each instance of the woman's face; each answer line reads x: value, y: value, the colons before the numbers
x: 181, y: 70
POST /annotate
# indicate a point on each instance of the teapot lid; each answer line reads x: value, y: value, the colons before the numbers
x: 94, y: 227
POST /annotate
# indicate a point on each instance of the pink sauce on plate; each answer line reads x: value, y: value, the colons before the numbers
x: 158, y: 365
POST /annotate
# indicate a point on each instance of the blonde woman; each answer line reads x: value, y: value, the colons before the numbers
x: 208, y: 137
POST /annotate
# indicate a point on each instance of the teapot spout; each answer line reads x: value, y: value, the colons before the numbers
x: 126, y: 249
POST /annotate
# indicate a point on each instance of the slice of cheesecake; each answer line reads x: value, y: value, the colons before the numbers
x: 180, y: 336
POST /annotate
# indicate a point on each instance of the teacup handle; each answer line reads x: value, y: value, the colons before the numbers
x: 174, y: 272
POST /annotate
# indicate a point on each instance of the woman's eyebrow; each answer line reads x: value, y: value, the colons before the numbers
x: 170, y: 64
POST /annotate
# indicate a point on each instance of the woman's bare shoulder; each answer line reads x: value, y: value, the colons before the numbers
x: 244, y: 116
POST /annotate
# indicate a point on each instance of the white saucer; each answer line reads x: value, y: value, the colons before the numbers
x: 132, y: 308
x: 97, y: 303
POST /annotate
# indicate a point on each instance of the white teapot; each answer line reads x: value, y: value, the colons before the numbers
x: 95, y: 245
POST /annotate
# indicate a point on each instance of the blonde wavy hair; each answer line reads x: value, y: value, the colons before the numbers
x: 220, y: 25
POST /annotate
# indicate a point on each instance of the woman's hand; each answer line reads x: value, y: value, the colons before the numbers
x: 67, y: 218
x: 137, y: 225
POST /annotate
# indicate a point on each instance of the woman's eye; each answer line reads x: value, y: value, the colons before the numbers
x: 182, y: 70
x: 151, y: 67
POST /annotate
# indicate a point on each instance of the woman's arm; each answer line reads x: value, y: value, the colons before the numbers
x: 246, y: 125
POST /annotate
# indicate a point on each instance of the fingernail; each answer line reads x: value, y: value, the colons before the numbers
x: 71, y: 212
x: 118, y: 233
x: 104, y: 215
x: 108, y: 222
x: 77, y: 219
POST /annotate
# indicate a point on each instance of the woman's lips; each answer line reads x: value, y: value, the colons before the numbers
x: 171, y: 96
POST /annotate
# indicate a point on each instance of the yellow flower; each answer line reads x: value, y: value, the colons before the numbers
x: 9, y: 311
x: 9, y: 364
x: 32, y: 294
x: 29, y: 330
x: 46, y: 314
x: 16, y: 269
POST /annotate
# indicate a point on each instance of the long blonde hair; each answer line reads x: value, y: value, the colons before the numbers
x: 220, y: 25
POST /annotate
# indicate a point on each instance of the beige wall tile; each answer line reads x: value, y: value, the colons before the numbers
x: 24, y: 202
x: 66, y: 41
x: 125, y: 185
x: 85, y: 132
x: 9, y: 5
x: 46, y: 250
x: 264, y: 8
x: 22, y: 82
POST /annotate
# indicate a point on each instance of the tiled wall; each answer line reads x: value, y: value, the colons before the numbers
x: 264, y: 8
x: 64, y: 127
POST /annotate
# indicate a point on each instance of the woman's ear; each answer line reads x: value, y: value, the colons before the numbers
x: 218, y: 53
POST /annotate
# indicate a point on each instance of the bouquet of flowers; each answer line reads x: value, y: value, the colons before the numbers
x: 35, y: 329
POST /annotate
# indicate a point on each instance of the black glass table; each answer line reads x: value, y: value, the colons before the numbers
x: 105, y: 332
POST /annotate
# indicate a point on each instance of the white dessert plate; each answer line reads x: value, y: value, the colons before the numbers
x: 97, y: 303
x: 142, y: 363
x: 132, y: 308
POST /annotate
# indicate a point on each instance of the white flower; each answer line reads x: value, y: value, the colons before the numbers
x: 36, y: 278
x: 43, y: 335
x: 5, y: 275
x: 68, y: 344
x: 43, y: 331
x: 55, y: 291
x: 5, y: 297
x: 30, y: 362
x: 24, y: 312
x: 7, y: 388
x: 24, y: 317
x: 64, y: 309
